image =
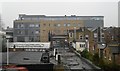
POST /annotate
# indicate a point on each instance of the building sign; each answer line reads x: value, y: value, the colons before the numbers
x: 30, y: 45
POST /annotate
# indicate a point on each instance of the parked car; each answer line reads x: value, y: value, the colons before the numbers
x: 45, y: 58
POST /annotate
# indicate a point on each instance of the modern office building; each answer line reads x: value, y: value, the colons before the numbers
x: 35, y: 28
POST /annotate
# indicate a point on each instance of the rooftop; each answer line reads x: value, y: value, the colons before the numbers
x: 44, y: 17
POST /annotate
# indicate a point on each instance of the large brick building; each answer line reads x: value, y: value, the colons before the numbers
x: 35, y: 28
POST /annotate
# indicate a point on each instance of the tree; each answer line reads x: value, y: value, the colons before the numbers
x: 96, y: 59
x: 87, y: 54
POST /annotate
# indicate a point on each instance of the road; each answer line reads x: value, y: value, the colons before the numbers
x: 68, y: 58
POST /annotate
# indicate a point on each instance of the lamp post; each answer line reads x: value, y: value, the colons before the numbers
x: 7, y: 52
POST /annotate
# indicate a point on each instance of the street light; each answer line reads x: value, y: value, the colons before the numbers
x: 7, y: 52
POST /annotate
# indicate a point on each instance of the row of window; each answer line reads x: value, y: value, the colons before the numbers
x: 82, y: 45
x: 31, y: 25
x: 96, y: 35
x: 32, y: 32
x: 80, y: 37
x: 55, y: 25
x: 65, y: 25
x: 59, y: 31
x: 34, y: 25
x: 29, y: 39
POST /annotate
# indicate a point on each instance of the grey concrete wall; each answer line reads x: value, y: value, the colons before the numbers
x: 94, y: 23
x: 119, y: 14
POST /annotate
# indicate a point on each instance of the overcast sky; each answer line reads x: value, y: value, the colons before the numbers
x: 11, y: 10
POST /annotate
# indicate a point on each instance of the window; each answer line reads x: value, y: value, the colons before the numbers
x: 80, y: 45
x: 86, y: 36
x: 37, y: 32
x: 58, y: 25
x: 65, y: 32
x: 81, y: 37
x: 109, y: 57
x: 71, y: 35
x: 37, y: 25
x: 102, y: 36
x: 68, y: 24
x: 20, y: 32
x: 20, y: 26
x: 95, y: 35
x: 31, y: 25
x: 31, y: 39
x: 65, y: 24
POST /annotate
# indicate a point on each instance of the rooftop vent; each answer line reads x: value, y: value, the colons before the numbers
x: 73, y: 15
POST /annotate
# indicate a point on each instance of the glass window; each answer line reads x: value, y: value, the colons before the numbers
x: 58, y: 25
x: 102, y: 36
x: 65, y: 24
x: 95, y: 35
x: 36, y: 32
x: 81, y: 37
x: 37, y: 25
x: 65, y: 32
x: 20, y: 26
x: 20, y: 32
x: 31, y: 39
x: 86, y: 36
x: 31, y: 25
x: 71, y: 34
x: 68, y: 24
x: 80, y: 45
